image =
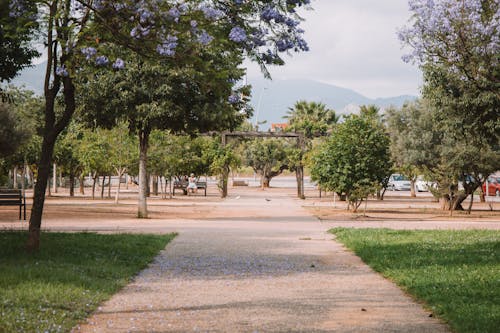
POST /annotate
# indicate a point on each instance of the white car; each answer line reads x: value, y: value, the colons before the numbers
x: 398, y: 182
x: 422, y: 185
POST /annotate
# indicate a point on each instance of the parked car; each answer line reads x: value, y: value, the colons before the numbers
x: 493, y: 186
x: 398, y: 182
x: 422, y: 185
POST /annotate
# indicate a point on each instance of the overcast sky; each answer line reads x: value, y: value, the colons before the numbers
x: 354, y: 45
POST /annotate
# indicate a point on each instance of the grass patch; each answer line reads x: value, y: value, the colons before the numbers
x: 456, y: 273
x: 72, y: 274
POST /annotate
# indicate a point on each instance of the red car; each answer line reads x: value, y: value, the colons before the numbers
x: 493, y: 186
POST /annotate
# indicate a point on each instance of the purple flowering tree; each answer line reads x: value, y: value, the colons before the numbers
x: 457, y: 45
x: 79, y: 32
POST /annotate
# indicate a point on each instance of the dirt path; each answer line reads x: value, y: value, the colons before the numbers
x: 256, y: 263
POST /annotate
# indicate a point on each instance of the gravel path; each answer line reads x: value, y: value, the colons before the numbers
x: 272, y: 270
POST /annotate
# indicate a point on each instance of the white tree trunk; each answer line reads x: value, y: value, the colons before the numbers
x: 54, y: 178
x: 142, y: 209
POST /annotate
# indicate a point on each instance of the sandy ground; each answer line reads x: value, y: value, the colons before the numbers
x: 258, y: 261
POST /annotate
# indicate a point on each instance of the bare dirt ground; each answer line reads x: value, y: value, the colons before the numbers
x: 257, y: 261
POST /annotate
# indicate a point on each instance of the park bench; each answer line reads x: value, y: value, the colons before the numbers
x: 182, y: 185
x: 13, y: 198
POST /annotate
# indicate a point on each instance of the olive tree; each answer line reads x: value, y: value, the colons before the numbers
x: 353, y: 160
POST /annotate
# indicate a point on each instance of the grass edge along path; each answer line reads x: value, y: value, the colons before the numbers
x: 53, y: 290
x: 456, y: 274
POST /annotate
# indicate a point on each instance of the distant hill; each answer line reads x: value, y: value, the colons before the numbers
x: 32, y: 78
x: 270, y: 99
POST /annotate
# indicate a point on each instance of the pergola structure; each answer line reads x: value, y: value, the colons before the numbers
x: 299, y: 172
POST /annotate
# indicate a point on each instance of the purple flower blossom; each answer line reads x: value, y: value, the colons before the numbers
x: 62, y: 71
x: 118, y: 64
x: 89, y: 52
x: 101, y: 60
x: 210, y: 12
x: 167, y: 48
x: 174, y: 13
x: 238, y: 35
x: 204, y: 38
x: 233, y: 98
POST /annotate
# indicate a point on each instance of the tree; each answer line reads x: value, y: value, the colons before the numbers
x: 77, y: 30
x: 354, y: 159
x: 268, y: 158
x: 311, y: 119
x: 457, y: 46
x: 413, y: 139
x: 11, y: 133
x: 16, y: 32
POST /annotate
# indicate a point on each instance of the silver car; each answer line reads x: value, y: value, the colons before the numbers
x: 398, y: 182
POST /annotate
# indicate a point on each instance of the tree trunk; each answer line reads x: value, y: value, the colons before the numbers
x: 109, y: 187
x: 142, y: 209
x: 482, y: 197
x: 265, y: 180
x: 224, y: 181
x: 14, y: 178
x: 94, y: 182
x: 71, y: 184
x: 117, y: 194
x: 81, y: 181
x: 23, y: 176
x: 155, y: 185
x: 103, y: 186
x: 412, y: 188
x: 445, y: 202
x: 299, y: 174
x: 33, y: 243
x: 469, y: 209
x: 54, y: 178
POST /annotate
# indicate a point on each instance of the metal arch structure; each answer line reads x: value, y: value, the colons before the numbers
x: 299, y: 172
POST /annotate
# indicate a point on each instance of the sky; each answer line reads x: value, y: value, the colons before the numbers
x: 353, y: 45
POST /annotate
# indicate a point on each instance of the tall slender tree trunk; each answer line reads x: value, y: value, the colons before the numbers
x: 81, y: 183
x: 14, y: 177
x: 117, y: 194
x: 109, y: 187
x: 299, y: 174
x: 224, y: 181
x: 103, y: 186
x: 54, y: 178
x: 142, y: 206
x: 42, y: 178
x: 94, y: 181
x: 71, y: 184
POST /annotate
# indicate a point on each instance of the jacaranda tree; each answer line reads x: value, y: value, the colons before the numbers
x: 80, y: 31
x: 457, y: 45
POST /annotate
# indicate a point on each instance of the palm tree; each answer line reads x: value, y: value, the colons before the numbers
x: 311, y: 118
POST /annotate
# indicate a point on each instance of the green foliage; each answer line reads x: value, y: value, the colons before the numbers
x: 53, y: 290
x: 16, y: 33
x: 454, y: 272
x: 311, y: 118
x: 421, y: 142
x: 178, y: 155
x: 11, y: 133
x: 414, y: 138
x: 154, y: 94
x: 268, y: 157
x: 355, y: 157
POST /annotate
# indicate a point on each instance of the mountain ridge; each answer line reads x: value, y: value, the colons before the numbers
x: 271, y: 99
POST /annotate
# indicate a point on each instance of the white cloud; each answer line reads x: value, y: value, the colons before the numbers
x: 353, y: 44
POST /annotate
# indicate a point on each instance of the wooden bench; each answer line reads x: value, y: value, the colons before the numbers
x: 13, y: 198
x: 182, y: 185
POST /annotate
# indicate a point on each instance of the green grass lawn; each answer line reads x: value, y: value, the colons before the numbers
x: 66, y: 281
x: 456, y: 273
